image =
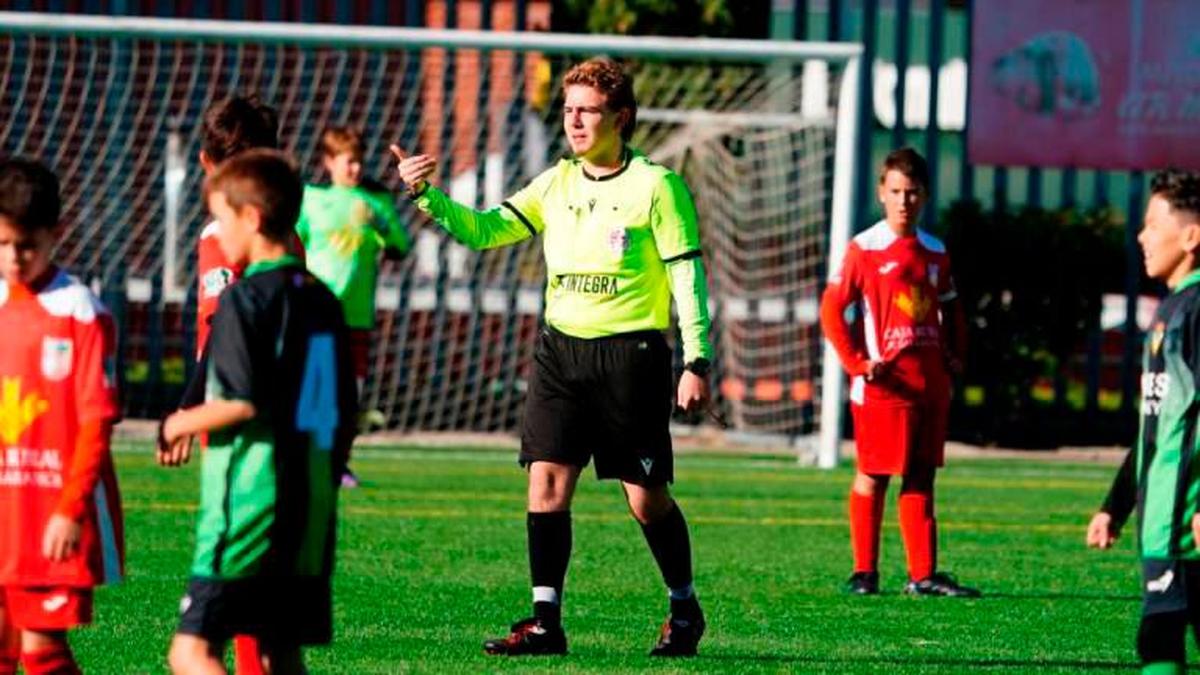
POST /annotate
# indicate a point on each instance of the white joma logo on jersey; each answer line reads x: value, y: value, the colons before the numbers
x: 54, y: 603
x: 1161, y: 584
x: 888, y: 267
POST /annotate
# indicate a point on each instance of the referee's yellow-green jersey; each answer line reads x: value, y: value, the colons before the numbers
x: 617, y: 247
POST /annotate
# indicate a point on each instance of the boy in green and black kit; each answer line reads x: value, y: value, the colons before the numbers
x: 1161, y: 475
x: 280, y: 411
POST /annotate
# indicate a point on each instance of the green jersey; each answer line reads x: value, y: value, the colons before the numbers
x: 343, y: 230
x: 1162, y: 475
x: 617, y: 247
x: 268, y: 485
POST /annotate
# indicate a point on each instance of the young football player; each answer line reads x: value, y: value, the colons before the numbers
x: 1158, y: 477
x: 345, y: 227
x: 230, y: 126
x: 279, y: 410
x: 61, y: 531
x: 906, y: 339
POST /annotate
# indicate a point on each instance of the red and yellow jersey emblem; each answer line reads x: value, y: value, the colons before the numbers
x: 914, y: 303
x: 18, y: 412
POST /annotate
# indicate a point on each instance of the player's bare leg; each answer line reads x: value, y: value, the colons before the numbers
x: 548, y: 526
x: 867, y: 495
x: 192, y: 655
x: 666, y: 533
x: 551, y: 486
x: 47, y: 653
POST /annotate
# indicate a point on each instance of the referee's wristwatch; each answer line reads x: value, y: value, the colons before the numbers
x: 698, y: 367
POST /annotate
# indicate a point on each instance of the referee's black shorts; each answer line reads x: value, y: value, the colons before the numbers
x: 609, y: 398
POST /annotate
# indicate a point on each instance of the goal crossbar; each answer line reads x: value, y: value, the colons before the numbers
x: 381, y: 37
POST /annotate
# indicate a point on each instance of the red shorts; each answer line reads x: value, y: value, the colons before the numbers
x: 360, y: 351
x: 892, y: 440
x: 47, y: 608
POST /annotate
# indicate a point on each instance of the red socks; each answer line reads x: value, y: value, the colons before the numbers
x: 247, y: 658
x: 52, y: 661
x: 866, y: 517
x: 918, y: 528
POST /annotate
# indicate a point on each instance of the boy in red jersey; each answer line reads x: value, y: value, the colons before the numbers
x: 231, y: 126
x: 907, y: 336
x: 62, y: 530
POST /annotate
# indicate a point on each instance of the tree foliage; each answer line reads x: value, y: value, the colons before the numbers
x: 714, y: 18
x: 1031, y: 282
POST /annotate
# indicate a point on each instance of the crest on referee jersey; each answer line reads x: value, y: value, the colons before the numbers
x: 57, y: 354
x: 618, y: 240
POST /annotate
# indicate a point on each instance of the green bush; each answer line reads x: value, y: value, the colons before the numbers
x: 1031, y: 282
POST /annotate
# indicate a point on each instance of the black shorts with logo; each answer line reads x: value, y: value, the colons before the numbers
x: 287, y: 613
x: 1170, y: 586
x: 609, y: 398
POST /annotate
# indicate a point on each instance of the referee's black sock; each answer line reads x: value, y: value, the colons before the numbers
x: 549, y: 553
x: 672, y: 549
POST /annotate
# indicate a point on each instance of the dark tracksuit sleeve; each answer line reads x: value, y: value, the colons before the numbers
x: 1122, y: 496
x: 193, y: 392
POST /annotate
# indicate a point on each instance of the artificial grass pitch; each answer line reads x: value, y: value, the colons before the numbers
x: 432, y: 560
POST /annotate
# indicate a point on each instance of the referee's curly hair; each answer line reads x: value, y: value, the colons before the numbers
x: 1180, y: 188
x: 609, y: 78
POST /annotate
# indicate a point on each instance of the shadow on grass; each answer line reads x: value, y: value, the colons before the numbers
x: 1034, y: 595
x: 964, y: 663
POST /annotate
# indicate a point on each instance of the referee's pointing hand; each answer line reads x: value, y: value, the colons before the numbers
x: 415, y: 170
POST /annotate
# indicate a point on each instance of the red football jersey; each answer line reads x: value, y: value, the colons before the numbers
x: 898, y: 285
x: 57, y: 398
x: 214, y: 274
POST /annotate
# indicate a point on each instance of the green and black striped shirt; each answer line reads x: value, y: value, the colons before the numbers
x: 1160, y: 476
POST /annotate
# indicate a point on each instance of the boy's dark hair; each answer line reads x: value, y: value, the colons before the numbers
x: 29, y: 195
x: 337, y: 140
x: 908, y: 162
x: 266, y: 180
x: 1180, y: 188
x: 236, y: 124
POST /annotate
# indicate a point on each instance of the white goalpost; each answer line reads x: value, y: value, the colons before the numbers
x: 764, y: 133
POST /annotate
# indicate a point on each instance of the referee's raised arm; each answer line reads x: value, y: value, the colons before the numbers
x: 499, y: 226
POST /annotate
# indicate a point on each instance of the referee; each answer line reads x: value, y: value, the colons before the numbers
x: 620, y: 240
